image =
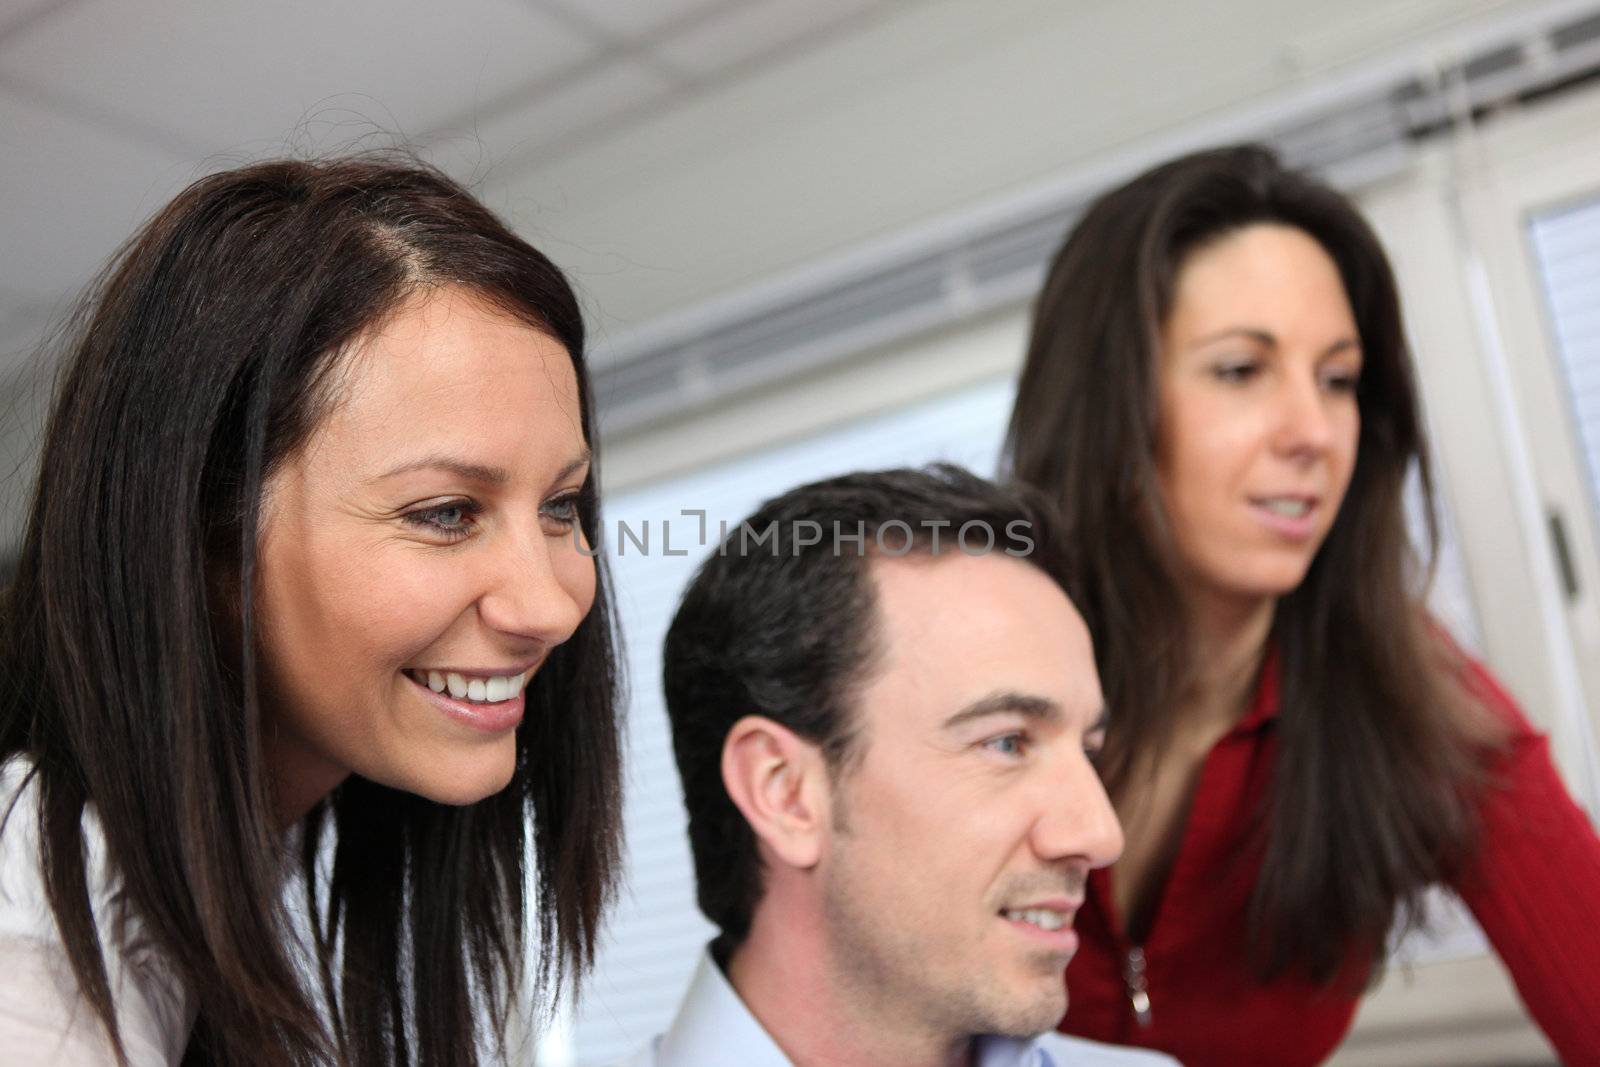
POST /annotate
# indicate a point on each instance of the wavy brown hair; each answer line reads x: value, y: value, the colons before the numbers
x: 1380, y: 744
x: 200, y: 362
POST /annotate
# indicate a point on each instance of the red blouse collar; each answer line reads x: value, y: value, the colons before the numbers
x: 1264, y: 702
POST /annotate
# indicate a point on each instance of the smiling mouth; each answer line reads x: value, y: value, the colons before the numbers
x: 472, y: 688
x: 1048, y: 919
x: 1286, y: 507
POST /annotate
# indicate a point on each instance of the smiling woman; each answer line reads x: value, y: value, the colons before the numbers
x: 308, y: 564
x: 464, y: 556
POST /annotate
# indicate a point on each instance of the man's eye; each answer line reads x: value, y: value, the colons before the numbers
x: 1007, y: 744
x: 451, y: 521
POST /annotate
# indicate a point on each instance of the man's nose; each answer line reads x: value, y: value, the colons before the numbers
x: 1079, y: 822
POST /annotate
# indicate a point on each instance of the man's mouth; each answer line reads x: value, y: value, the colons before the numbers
x: 1050, y: 919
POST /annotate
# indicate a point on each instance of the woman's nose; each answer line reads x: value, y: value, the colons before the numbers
x: 542, y: 589
x: 1304, y: 424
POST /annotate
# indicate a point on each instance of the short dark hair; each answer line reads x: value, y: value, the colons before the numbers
x: 779, y: 622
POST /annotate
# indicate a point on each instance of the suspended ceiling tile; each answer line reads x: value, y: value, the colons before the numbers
x: 73, y: 194
x: 632, y: 20
x: 746, y: 31
x: 252, y: 76
x: 585, y: 101
x: 17, y: 15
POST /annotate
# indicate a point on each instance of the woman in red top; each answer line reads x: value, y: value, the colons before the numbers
x: 1218, y: 392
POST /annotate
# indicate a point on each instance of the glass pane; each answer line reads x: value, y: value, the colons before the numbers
x: 1566, y: 247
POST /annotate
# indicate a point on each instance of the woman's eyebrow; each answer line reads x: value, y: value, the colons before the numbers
x: 1249, y: 333
x: 473, y: 472
x: 476, y: 472
x: 577, y: 463
x: 1267, y: 339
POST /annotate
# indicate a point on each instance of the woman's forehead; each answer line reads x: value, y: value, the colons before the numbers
x: 452, y: 374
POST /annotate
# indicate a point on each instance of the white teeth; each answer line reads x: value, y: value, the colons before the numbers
x: 1043, y: 918
x: 482, y: 690
x: 1288, y: 507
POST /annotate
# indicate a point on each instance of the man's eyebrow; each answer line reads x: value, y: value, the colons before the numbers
x: 1024, y: 704
x: 475, y: 472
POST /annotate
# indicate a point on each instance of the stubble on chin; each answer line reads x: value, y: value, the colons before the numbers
x: 878, y: 973
x: 1042, y: 1002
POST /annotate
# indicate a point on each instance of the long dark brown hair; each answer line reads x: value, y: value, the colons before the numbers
x: 201, y: 361
x: 1380, y: 745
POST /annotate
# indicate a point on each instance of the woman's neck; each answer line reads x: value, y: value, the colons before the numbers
x: 298, y: 778
x: 1228, y: 638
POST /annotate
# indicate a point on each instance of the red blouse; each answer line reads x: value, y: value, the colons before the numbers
x: 1534, y: 887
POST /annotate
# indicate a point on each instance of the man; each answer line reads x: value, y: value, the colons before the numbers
x: 884, y: 710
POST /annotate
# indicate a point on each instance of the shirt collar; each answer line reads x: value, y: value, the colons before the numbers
x: 713, y: 1028
x: 1012, y: 1052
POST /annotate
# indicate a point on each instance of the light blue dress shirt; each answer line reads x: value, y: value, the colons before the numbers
x: 714, y: 1029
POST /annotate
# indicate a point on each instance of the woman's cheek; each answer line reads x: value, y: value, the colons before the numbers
x: 574, y: 570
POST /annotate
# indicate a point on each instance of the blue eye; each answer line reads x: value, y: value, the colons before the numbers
x: 563, y: 510
x: 1012, y: 744
x: 451, y: 521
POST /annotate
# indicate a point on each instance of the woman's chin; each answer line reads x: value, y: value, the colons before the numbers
x: 469, y: 779
x: 1267, y: 579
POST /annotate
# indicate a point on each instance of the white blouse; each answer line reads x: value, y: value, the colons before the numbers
x: 43, y: 1018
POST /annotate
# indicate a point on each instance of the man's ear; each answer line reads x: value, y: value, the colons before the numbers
x: 779, y: 782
